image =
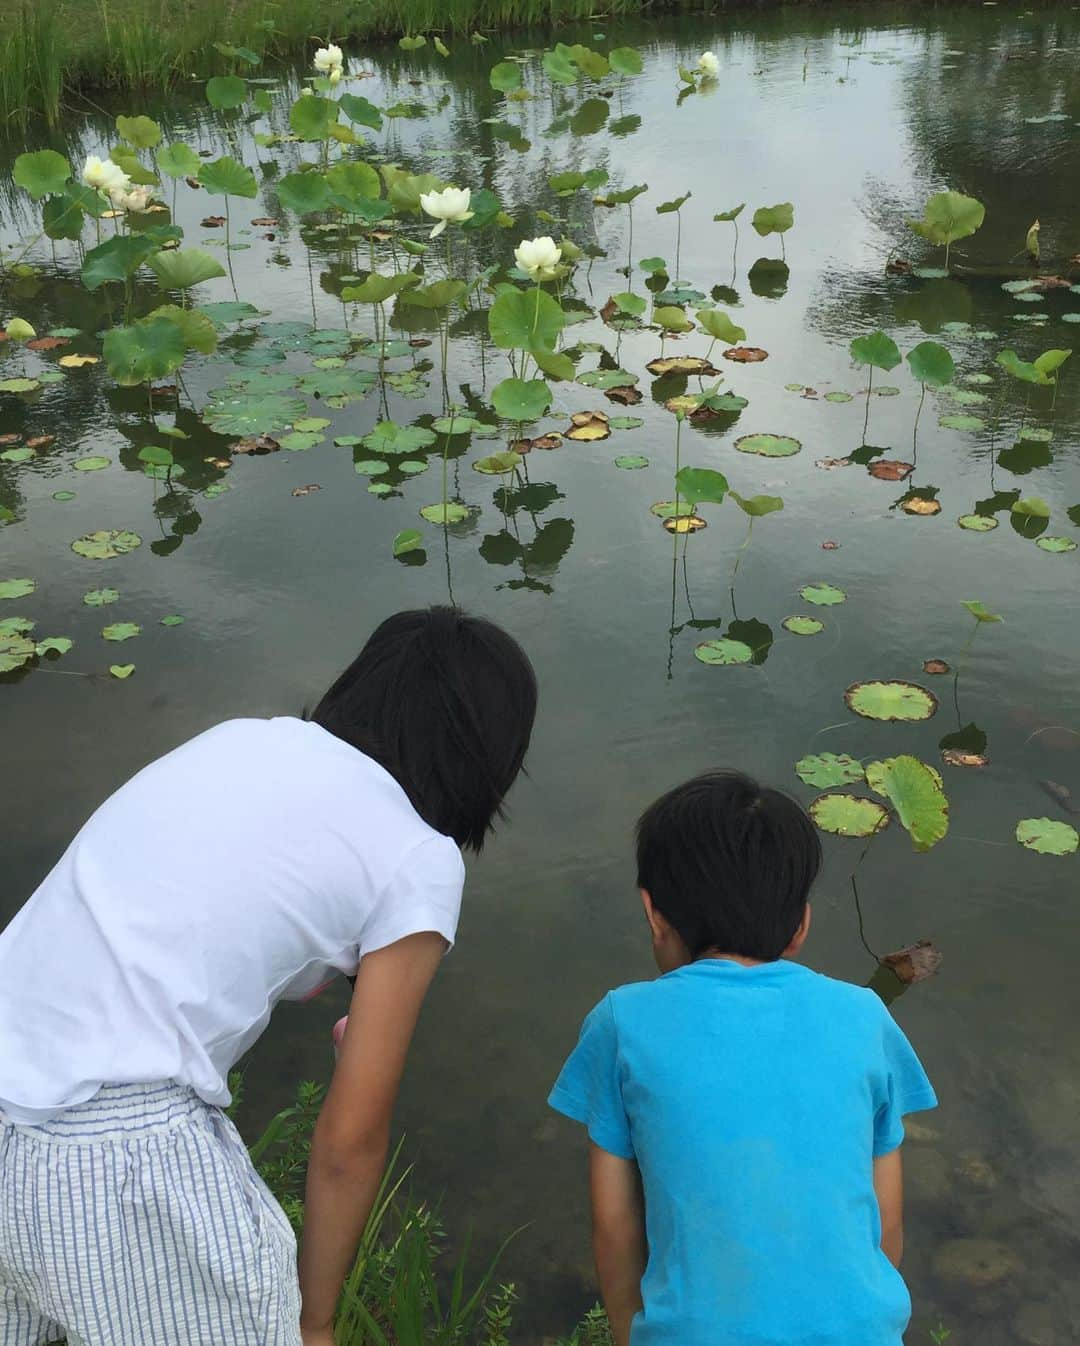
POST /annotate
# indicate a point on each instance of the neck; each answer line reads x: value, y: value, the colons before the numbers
x: 730, y: 957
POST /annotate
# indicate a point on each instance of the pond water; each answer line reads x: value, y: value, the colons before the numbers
x: 856, y: 119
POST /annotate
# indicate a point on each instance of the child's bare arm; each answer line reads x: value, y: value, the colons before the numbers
x: 618, y: 1219
x: 889, y: 1187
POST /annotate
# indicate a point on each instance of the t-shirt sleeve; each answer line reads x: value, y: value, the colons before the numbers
x: 901, y: 1087
x: 588, y: 1089
x: 424, y: 894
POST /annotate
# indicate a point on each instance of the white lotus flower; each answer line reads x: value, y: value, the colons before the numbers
x: 449, y: 205
x: 708, y: 64
x: 335, y: 75
x: 328, y: 59
x: 307, y: 92
x: 104, y: 176
x: 539, y: 257
x: 137, y: 200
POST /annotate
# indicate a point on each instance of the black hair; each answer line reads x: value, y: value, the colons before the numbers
x: 445, y: 703
x: 729, y: 863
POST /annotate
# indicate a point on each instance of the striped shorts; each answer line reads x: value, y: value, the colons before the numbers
x: 137, y: 1219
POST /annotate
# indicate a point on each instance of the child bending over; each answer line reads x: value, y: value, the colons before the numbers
x: 744, y: 1113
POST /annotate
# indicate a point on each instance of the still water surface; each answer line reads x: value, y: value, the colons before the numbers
x: 856, y: 124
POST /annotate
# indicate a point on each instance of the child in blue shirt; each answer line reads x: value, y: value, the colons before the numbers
x: 744, y: 1113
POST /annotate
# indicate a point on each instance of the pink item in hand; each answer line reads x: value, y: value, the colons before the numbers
x: 339, y: 1033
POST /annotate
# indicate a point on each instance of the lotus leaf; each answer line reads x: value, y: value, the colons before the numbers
x: 1056, y: 544
x: 768, y: 446
x: 443, y: 515
x: 99, y: 598
x: 719, y: 326
x: 43, y: 173
x: 178, y: 161
x: 931, y: 364
x: 119, y: 631
x: 225, y: 91
x: 701, y: 485
x: 93, y: 463
x: 878, y: 350
x: 947, y: 217
x: 773, y: 219
x: 521, y: 400
x: 518, y: 318
x: 312, y: 118
x: 226, y: 177
x: 17, y: 588
x: 827, y: 769
x: 1047, y: 836
x: 846, y: 815
x: 757, y: 506
x: 117, y: 259
x: 390, y: 438
x: 106, y: 543
x: 246, y: 414
x: 891, y: 700
x: 15, y: 651
x: 979, y: 611
x: 151, y: 349
x: 915, y: 792
x: 822, y: 595
x: 724, y: 650
x: 360, y: 111
x: 978, y: 523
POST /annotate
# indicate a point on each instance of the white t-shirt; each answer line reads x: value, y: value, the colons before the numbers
x: 248, y: 866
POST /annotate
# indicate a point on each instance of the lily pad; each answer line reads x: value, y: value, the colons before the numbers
x: 1056, y: 544
x: 54, y: 645
x: 724, y: 650
x: 440, y: 514
x: 768, y: 445
x: 247, y: 415
x: 803, y: 626
x: 846, y: 815
x: 20, y: 455
x: 15, y: 650
x: 497, y: 464
x: 828, y: 768
x: 681, y: 364
x: 915, y: 792
x: 63, y: 495
x: 99, y: 598
x: 299, y: 442
x: 17, y: 588
x: 464, y: 425
x: 631, y: 461
x: 822, y: 595
x: 390, y: 438
x: 371, y: 467
x: 891, y: 700
x: 106, y: 543
x: 838, y: 396
x: 961, y: 422
x: 685, y: 523
x: 978, y: 523
x: 94, y: 463
x: 121, y: 670
x: 121, y: 630
x: 1047, y: 836
x: 626, y: 422
x: 172, y: 619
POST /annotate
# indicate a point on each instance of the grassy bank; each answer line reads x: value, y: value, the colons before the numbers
x: 53, y: 51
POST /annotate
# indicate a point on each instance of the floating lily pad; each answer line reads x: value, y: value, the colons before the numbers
x: 605, y: 379
x: 106, y: 543
x: 626, y: 422
x: 248, y: 415
x: 15, y: 651
x: 890, y: 469
x: 16, y: 626
x: 724, y: 650
x: 1036, y: 434
x: 822, y: 595
x: 930, y: 272
x: 299, y: 442
x: 631, y: 461
x: 978, y: 523
x: 99, y: 598
x: 19, y: 385
x: 838, y: 396
x: 20, y: 455
x: 380, y: 488
x: 1056, y: 544
x: 53, y: 645
x: 121, y: 670
x: 464, y: 425
x: 17, y: 588
x: 685, y: 523
x: 803, y: 626
x: 371, y: 467
x: 310, y: 424
x: 769, y: 446
x: 347, y: 441
x: 449, y: 513
x: 915, y: 792
x: 94, y: 463
x: 828, y: 768
x: 891, y: 700
x: 887, y: 390
x: 390, y: 438
x: 935, y: 666
x: 668, y: 509
x: 412, y: 467
x: 846, y: 815
x: 961, y: 422
x: 173, y: 619
x: 681, y: 364
x: 1047, y: 836
x: 497, y: 464
x: 121, y: 631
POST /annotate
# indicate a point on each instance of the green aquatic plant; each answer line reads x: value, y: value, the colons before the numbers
x: 876, y: 351
x: 754, y: 507
x: 777, y: 219
x: 732, y: 217
x: 674, y: 207
x: 948, y: 217
x: 932, y: 365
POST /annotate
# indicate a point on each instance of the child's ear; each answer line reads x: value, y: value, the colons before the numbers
x: 799, y: 937
x: 657, y: 924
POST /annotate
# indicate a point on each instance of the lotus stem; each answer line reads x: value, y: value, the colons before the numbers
x: 915, y: 431
x: 678, y: 244
x: 739, y: 553
x: 228, y: 249
x: 630, y: 244
x: 866, y: 418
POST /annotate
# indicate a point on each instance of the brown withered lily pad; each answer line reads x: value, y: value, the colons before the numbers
x: 222, y: 464
x: 685, y: 523
x: 899, y: 266
x: 830, y: 545
x: 829, y: 464
x: 418, y: 343
x: 164, y: 390
x: 681, y: 364
x: 255, y: 444
x: 890, y: 469
x: 5, y: 440
x: 265, y: 222
x: 918, y: 962
x: 958, y: 757
x: 920, y: 505
x: 194, y: 184
x: 936, y: 666
x: 589, y: 425
x: 1052, y: 283
x: 213, y: 222
x: 627, y: 397
x: 40, y: 441
x: 746, y: 355
x: 47, y: 343
x: 306, y: 490
x: 546, y: 442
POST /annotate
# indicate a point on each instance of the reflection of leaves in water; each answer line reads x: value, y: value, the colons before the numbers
x: 1025, y: 457
x: 754, y: 634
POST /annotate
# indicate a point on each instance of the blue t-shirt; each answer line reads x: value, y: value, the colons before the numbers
x: 754, y: 1100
